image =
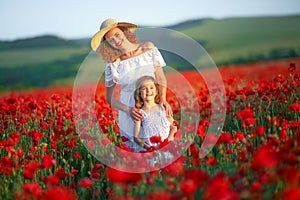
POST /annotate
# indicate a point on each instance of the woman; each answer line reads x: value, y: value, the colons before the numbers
x: 128, y: 60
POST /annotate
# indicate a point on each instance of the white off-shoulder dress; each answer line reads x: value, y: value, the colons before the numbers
x: 126, y: 73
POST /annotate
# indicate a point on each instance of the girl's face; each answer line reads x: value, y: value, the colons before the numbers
x: 116, y: 38
x: 148, y: 90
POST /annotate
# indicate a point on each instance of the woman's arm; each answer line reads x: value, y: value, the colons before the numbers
x: 173, y: 129
x: 162, y: 81
x: 110, y: 98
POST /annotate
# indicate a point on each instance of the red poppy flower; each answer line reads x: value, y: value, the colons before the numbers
x: 292, y: 67
x: 246, y: 113
x: 219, y: 188
x: 7, y: 165
x: 176, y: 168
x: 117, y: 176
x: 197, y: 175
x: 105, y: 141
x: 265, y: 157
x: 15, y: 137
x: 295, y: 107
x: 48, y: 161
x: 260, y: 130
x: 85, y: 183
x: 77, y: 155
x: 155, y: 139
x: 211, y: 161
x: 279, y: 78
x: 31, y: 190
x: 292, y: 193
x: 239, y: 136
x: 59, y: 193
x: 32, y: 105
x: 30, y: 169
x: 256, y: 186
x: 51, y: 180
x: 188, y: 186
x: 247, y: 117
x: 60, y: 173
x: 159, y: 195
x: 283, y: 135
x: 225, y: 138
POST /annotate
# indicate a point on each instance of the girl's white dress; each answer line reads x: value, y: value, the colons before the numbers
x: 126, y: 73
x: 155, y: 123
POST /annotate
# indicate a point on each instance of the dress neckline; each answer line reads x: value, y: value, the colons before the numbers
x: 134, y: 57
x: 154, y: 109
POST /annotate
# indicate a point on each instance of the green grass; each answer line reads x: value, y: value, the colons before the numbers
x: 34, y: 56
x: 227, y: 39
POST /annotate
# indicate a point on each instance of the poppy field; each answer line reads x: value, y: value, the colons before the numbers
x: 257, y: 155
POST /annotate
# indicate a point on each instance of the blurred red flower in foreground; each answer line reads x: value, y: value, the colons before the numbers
x: 265, y: 157
x: 31, y: 190
x: 219, y: 188
x: 188, y: 186
x: 116, y: 176
x: 59, y: 193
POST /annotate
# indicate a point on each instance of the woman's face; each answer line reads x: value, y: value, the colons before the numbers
x: 116, y: 38
x: 148, y: 90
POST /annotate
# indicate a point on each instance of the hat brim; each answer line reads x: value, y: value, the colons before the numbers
x: 97, y: 38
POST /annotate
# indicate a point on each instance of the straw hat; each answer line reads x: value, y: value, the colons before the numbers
x: 106, y: 26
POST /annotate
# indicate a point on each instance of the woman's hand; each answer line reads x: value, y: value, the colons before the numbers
x: 135, y: 114
x: 167, y: 107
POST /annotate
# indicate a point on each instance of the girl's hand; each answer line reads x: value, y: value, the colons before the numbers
x: 141, y: 142
x: 135, y: 114
x: 167, y: 107
x: 171, y: 138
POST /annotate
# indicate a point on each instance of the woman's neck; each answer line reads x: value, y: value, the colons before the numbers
x: 130, y: 50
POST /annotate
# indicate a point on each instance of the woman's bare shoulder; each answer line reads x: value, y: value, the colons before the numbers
x: 147, y: 46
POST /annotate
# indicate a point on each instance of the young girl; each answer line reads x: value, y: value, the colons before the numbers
x: 155, y: 122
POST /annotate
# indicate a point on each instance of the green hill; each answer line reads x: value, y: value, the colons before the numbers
x: 45, y: 41
x: 47, y: 60
x: 236, y: 40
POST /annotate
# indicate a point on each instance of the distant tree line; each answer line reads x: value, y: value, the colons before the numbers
x: 41, y: 41
x: 271, y: 55
x: 39, y: 75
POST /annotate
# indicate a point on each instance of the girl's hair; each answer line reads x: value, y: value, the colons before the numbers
x: 139, y: 103
x: 110, y: 54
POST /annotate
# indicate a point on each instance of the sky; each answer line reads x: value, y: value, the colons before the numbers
x: 74, y: 19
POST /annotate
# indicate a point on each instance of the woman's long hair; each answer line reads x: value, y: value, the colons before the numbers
x: 110, y: 54
x: 139, y: 103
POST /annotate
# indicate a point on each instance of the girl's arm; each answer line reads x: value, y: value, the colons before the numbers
x: 110, y: 98
x: 137, y: 138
